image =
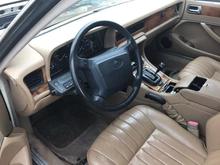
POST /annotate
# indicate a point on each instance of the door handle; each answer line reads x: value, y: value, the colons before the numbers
x: 194, y: 9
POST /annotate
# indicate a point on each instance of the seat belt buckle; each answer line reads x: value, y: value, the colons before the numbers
x: 193, y: 127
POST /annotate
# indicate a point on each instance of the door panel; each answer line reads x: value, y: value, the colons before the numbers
x: 14, y: 146
x: 5, y: 124
x: 193, y: 39
x: 198, y: 33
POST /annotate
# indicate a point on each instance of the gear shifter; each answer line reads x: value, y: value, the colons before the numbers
x: 160, y: 67
x: 152, y: 77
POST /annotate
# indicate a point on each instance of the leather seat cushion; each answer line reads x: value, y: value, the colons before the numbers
x: 143, y: 135
x: 202, y: 66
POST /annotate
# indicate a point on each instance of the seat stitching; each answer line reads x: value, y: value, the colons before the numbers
x: 139, y: 158
x: 121, y: 141
x: 115, y: 149
x: 150, y: 122
x: 170, y: 156
x: 175, y: 139
x: 180, y: 143
x: 126, y: 134
x: 137, y: 121
x: 152, y: 156
x: 140, y: 110
x: 132, y: 127
x: 104, y: 155
x: 177, y: 150
x: 139, y: 149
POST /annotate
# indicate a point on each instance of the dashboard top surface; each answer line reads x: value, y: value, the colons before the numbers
x: 123, y: 14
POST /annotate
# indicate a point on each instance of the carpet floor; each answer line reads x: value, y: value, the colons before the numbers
x: 68, y: 129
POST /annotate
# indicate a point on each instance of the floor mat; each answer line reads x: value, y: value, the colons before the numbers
x: 68, y: 129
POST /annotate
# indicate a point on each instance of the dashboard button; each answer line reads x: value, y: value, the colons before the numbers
x: 68, y: 84
x: 56, y: 83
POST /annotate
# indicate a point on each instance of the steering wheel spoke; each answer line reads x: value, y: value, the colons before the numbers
x: 82, y: 63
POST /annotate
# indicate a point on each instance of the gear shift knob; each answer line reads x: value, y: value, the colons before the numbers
x: 160, y: 67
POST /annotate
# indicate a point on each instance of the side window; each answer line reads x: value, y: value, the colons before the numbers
x: 9, y: 10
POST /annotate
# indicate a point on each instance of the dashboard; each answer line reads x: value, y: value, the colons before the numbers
x: 46, y: 57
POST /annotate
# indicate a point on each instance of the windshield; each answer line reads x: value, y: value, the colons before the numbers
x: 83, y: 7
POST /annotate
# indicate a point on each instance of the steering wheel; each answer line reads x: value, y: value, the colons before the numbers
x: 109, y: 72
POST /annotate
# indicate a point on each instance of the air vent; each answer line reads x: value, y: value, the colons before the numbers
x: 34, y: 80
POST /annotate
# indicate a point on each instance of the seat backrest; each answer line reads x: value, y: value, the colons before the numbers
x: 213, y: 140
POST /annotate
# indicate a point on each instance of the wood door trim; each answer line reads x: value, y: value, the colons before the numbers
x: 210, y: 11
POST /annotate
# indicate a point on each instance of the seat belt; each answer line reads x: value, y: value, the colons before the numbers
x: 173, y: 114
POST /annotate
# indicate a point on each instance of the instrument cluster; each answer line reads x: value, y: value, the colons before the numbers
x: 92, y: 45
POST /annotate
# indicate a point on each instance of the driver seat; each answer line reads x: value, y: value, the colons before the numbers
x: 144, y: 136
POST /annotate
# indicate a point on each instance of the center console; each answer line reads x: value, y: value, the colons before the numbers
x: 191, y: 98
x: 155, y: 79
x: 201, y: 91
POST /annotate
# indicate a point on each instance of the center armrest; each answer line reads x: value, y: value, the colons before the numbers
x: 207, y: 94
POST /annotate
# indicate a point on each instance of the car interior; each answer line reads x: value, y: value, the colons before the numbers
x: 134, y: 83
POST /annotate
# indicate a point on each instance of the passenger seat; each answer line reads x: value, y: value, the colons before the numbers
x: 202, y: 66
x: 144, y: 136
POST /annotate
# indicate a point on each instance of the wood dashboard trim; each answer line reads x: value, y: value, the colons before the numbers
x: 159, y: 18
x: 41, y: 89
x: 155, y: 20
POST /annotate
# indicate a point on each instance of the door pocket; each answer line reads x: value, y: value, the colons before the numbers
x: 187, y: 42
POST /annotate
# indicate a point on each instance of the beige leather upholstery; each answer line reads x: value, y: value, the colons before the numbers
x: 213, y: 140
x: 143, y: 135
x: 202, y: 66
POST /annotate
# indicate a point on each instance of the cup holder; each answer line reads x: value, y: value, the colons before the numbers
x: 170, y: 87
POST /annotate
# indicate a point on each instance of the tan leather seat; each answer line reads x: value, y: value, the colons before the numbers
x: 144, y: 136
x: 202, y: 66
